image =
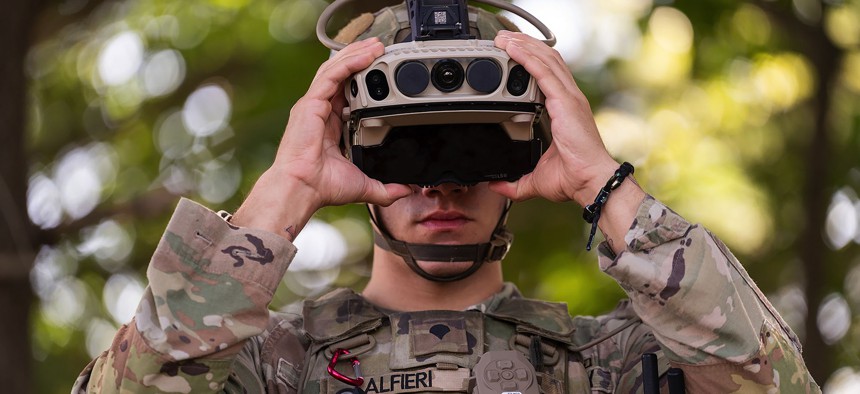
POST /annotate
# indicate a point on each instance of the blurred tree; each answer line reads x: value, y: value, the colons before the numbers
x: 807, y: 33
x: 16, y: 247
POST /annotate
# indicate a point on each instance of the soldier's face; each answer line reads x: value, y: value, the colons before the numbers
x: 447, y: 214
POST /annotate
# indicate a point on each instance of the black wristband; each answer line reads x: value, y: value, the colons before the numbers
x: 591, y: 212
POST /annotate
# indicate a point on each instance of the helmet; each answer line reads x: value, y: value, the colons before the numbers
x: 413, y: 21
x: 392, y: 25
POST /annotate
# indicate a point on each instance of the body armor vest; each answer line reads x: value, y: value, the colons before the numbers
x: 438, y: 351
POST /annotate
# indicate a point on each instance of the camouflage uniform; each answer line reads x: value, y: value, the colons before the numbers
x: 203, y: 323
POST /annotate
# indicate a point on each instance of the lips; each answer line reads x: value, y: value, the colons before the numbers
x: 444, y: 220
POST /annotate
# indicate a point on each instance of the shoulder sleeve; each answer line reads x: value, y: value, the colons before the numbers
x: 210, y: 284
x: 706, y: 313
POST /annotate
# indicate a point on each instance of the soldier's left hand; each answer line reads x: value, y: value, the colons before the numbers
x: 577, y: 163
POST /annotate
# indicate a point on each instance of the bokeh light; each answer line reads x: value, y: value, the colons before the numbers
x: 163, y: 72
x: 43, y: 202
x: 206, y: 110
x: 81, y: 174
x: 843, y: 219
x: 293, y: 21
x: 66, y: 302
x: 171, y: 137
x: 790, y: 302
x: 121, y: 295
x: 51, y: 265
x: 99, y: 336
x: 671, y: 30
x: 109, y: 243
x: 321, y: 251
x: 176, y: 179
x: 120, y: 58
x: 844, y: 381
x: 752, y: 24
x: 664, y: 57
x: 321, y: 246
x: 589, y: 32
x: 359, y: 240
x: 219, y: 180
x: 843, y: 26
x: 834, y: 318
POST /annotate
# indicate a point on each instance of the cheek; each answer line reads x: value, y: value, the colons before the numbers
x: 395, y: 216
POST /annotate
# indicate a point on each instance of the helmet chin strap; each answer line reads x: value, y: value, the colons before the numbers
x: 493, y: 250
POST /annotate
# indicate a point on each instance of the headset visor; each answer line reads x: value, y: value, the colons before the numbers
x: 428, y: 155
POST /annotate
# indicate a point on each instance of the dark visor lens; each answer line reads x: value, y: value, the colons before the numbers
x: 460, y: 153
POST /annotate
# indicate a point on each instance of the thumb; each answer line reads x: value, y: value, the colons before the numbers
x: 384, y: 195
x: 519, y: 190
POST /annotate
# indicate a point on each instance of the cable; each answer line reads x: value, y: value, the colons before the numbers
x: 329, y: 11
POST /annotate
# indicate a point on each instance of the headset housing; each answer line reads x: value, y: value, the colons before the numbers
x: 443, y: 104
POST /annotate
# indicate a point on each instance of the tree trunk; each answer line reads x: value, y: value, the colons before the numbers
x: 815, y: 256
x: 16, y: 249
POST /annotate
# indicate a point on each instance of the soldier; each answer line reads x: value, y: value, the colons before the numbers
x: 422, y: 325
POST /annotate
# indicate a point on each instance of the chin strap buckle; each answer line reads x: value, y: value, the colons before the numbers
x: 499, y: 245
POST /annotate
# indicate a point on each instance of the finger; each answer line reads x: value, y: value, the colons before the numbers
x: 334, y: 122
x: 325, y: 84
x: 350, y: 49
x: 547, y: 55
x: 519, y: 190
x: 384, y: 195
x: 309, y: 114
x: 535, y: 45
x: 547, y: 79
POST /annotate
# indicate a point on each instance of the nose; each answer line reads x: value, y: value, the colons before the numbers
x: 446, y: 189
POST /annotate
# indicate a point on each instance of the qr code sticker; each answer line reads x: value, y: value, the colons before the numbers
x: 440, y: 17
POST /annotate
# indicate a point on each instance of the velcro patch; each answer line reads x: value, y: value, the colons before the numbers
x: 428, y: 338
x: 438, y: 335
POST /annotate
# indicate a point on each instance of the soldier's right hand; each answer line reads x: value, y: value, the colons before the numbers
x: 309, y: 171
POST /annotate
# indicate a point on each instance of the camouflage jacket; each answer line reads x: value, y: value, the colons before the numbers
x: 204, y: 323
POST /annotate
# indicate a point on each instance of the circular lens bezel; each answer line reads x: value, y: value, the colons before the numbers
x: 418, y: 78
x: 442, y: 66
x: 488, y: 80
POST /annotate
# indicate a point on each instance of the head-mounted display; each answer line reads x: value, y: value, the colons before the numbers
x: 446, y: 105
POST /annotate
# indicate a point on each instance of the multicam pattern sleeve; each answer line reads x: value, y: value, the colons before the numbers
x: 708, y: 316
x: 210, y: 284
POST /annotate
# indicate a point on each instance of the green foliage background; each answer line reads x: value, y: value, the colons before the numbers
x: 751, y: 127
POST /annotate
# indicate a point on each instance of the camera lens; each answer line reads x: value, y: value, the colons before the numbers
x: 484, y: 75
x: 518, y: 80
x: 377, y: 86
x: 412, y: 78
x: 447, y: 75
x: 516, y: 86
